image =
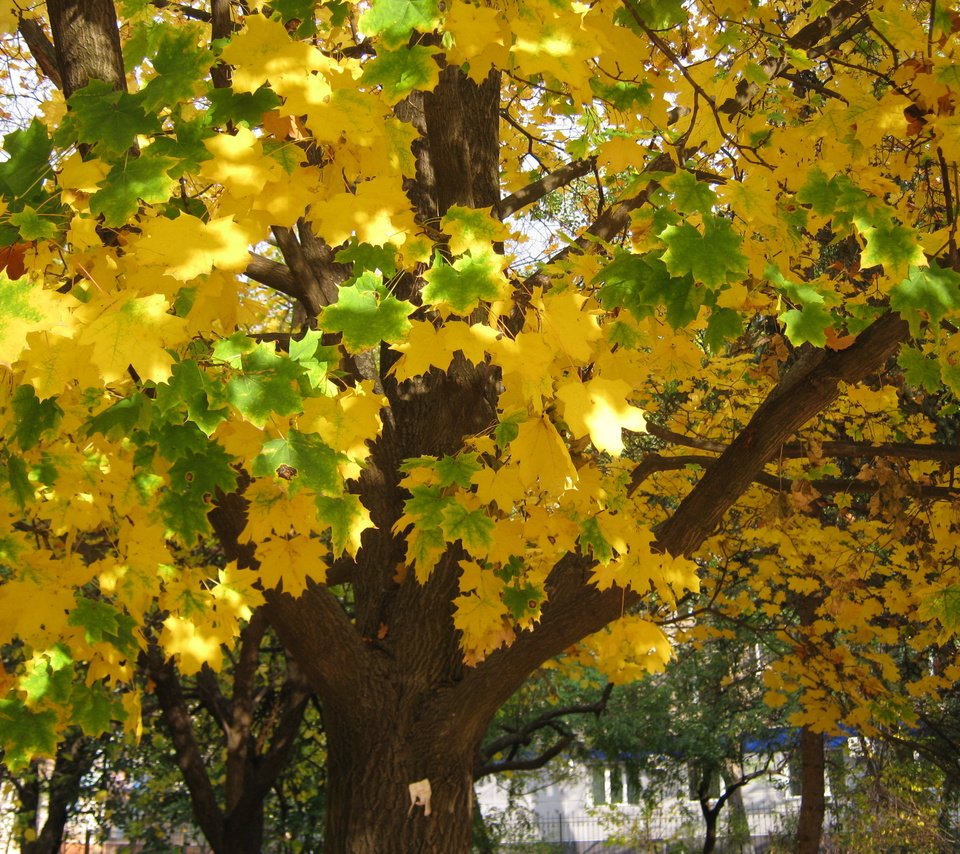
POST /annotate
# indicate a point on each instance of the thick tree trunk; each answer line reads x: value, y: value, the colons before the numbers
x: 812, y: 796
x: 395, y: 789
x: 87, y: 42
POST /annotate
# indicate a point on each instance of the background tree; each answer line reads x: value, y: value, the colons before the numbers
x: 425, y: 483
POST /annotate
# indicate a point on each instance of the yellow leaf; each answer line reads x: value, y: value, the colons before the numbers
x: 541, y: 456
x: 130, y: 331
x: 187, y: 247
x: 599, y: 408
x: 193, y: 645
x: 291, y: 561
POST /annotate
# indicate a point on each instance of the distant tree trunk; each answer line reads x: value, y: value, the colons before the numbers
x: 812, y: 796
x: 74, y: 758
x: 732, y: 773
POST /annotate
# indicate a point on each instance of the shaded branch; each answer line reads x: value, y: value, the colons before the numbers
x: 554, y: 180
x: 522, y: 737
x: 778, y: 418
x: 654, y: 462
x: 176, y: 716
x: 795, y: 450
x: 41, y: 48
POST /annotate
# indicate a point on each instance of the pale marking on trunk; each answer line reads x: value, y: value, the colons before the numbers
x: 420, y: 796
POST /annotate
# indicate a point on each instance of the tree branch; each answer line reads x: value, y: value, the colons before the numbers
x: 554, y: 180
x: 41, y: 49
x: 189, y: 758
x: 523, y: 736
x: 794, y: 450
x: 778, y: 418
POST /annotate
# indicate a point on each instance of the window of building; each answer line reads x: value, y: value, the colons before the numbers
x: 615, y: 784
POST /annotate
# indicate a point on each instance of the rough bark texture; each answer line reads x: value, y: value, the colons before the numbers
x: 812, y: 796
x: 87, y: 42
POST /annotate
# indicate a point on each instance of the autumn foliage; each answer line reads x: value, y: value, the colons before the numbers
x: 453, y: 337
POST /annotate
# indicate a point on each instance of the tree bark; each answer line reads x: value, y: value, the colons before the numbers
x: 812, y: 794
x: 87, y: 42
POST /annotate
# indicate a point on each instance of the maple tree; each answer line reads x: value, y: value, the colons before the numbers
x: 425, y: 477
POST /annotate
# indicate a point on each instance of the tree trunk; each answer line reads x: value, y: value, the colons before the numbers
x: 371, y: 807
x: 74, y: 757
x: 87, y: 42
x: 812, y: 798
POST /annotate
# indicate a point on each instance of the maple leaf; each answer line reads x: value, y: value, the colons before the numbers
x: 712, y: 258
x: 187, y: 247
x: 111, y: 325
x: 599, y: 408
x: 269, y: 384
x: 291, y: 561
x: 129, y: 182
x: 312, y: 462
x: 896, y: 247
x: 366, y: 314
x: 926, y: 294
x: 461, y: 286
x: 347, y: 519
x: 395, y: 20
x: 399, y: 72
x: 193, y: 645
x: 541, y: 457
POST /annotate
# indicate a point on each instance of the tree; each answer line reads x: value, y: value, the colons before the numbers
x: 422, y: 484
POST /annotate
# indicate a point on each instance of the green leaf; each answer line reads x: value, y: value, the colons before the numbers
x: 132, y: 180
x: 189, y: 387
x: 314, y: 463
x: 33, y: 225
x: 232, y: 349
x: 366, y: 314
x: 395, y: 20
x: 102, y: 623
x: 426, y: 504
x: 927, y: 294
x: 457, y: 470
x: 34, y: 416
x: 918, y: 370
x: 122, y: 417
x: 241, y: 107
x: 689, y: 194
x: 364, y: 257
x: 108, y: 119
x: 465, y: 283
x: 474, y: 528
x: 25, y: 733
x: 181, y: 65
x: 18, y: 480
x: 269, y: 384
x: 724, y: 325
x: 342, y: 513
x: 399, y: 72
x: 712, y: 258
x: 204, y: 474
x: 508, y: 428
x: 593, y: 542
x: 48, y: 676
x: 944, y: 606
x: 807, y: 324
x: 894, y: 246
x: 94, y: 709
x: 28, y: 163
x: 622, y: 94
